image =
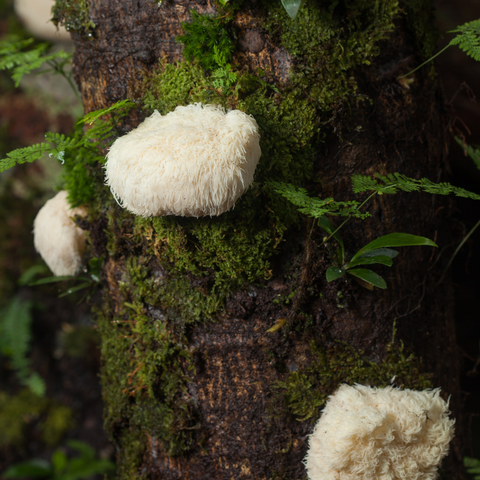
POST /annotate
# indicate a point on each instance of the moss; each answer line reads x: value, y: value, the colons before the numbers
x: 74, y: 15
x: 304, y: 392
x: 146, y: 364
x: 205, y: 38
x: 26, y: 410
x: 330, y: 43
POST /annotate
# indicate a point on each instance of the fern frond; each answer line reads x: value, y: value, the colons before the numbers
x: 472, y: 152
x: 23, y: 62
x: 468, y: 38
x: 316, y: 207
x: 91, y: 117
x: 394, y: 182
x: 24, y: 155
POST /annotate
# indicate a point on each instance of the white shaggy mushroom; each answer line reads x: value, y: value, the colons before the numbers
x: 369, y: 433
x: 58, y: 240
x: 194, y: 161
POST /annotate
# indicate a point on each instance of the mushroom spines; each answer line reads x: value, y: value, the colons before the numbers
x: 380, y: 433
x: 56, y: 237
x: 194, y: 161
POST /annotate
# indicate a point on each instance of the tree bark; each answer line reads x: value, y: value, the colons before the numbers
x: 241, y: 424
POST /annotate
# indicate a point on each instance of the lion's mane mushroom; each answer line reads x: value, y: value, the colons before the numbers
x: 58, y: 240
x: 369, y: 433
x: 194, y: 161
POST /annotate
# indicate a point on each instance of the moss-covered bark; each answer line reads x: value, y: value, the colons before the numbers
x: 194, y: 384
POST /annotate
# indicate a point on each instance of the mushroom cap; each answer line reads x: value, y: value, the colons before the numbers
x: 35, y: 16
x: 194, y: 161
x: 380, y: 433
x: 57, y: 239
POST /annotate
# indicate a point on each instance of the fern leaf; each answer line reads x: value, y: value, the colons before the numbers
x: 316, y: 207
x: 472, y: 152
x: 92, y: 116
x: 394, y: 182
x: 468, y: 39
x: 24, y: 62
x: 24, y: 155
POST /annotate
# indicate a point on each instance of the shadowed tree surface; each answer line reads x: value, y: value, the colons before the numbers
x: 195, y: 386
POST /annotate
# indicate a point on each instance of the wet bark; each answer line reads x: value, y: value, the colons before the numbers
x: 402, y: 129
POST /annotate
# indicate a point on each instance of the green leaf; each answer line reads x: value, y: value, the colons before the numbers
x: 29, y: 274
x: 93, y: 116
x: 394, y: 182
x: 35, y: 468
x: 75, y: 289
x: 24, y: 155
x: 395, y: 240
x: 369, y: 277
x: 36, y: 384
x: 59, y: 461
x: 333, y: 273
x: 291, y: 7
x: 472, y: 152
x: 316, y: 207
x: 468, y: 39
x: 370, y: 260
x: 380, y: 251
x: 473, y: 466
x: 53, y: 279
x: 14, y: 57
x: 83, y: 448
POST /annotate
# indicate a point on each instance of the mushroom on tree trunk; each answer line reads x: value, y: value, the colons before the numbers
x: 221, y: 337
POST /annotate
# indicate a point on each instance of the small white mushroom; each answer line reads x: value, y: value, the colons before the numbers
x: 194, y: 161
x: 58, y: 240
x: 369, y: 433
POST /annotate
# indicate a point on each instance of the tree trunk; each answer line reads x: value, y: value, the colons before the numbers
x: 195, y: 384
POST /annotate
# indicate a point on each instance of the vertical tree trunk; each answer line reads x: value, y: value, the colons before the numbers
x: 195, y: 385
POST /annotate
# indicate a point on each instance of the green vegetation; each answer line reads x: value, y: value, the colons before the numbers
x: 205, y: 39
x: 304, y: 392
x: 25, y: 412
x: 15, y: 56
x: 74, y: 15
x: 467, y: 39
x: 61, y: 467
x: 473, y: 467
x: 15, y: 336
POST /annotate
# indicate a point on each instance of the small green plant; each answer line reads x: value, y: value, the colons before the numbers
x: 473, y: 467
x: 376, y: 252
x: 472, y: 151
x: 202, y: 35
x: 90, y: 282
x: 61, y: 467
x: 223, y: 77
x: 24, y: 56
x: 392, y: 183
x: 467, y: 39
x: 15, y: 337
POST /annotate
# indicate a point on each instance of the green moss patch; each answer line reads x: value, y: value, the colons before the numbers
x: 304, y: 392
x: 74, y: 15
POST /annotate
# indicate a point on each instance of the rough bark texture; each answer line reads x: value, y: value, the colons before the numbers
x: 236, y: 361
